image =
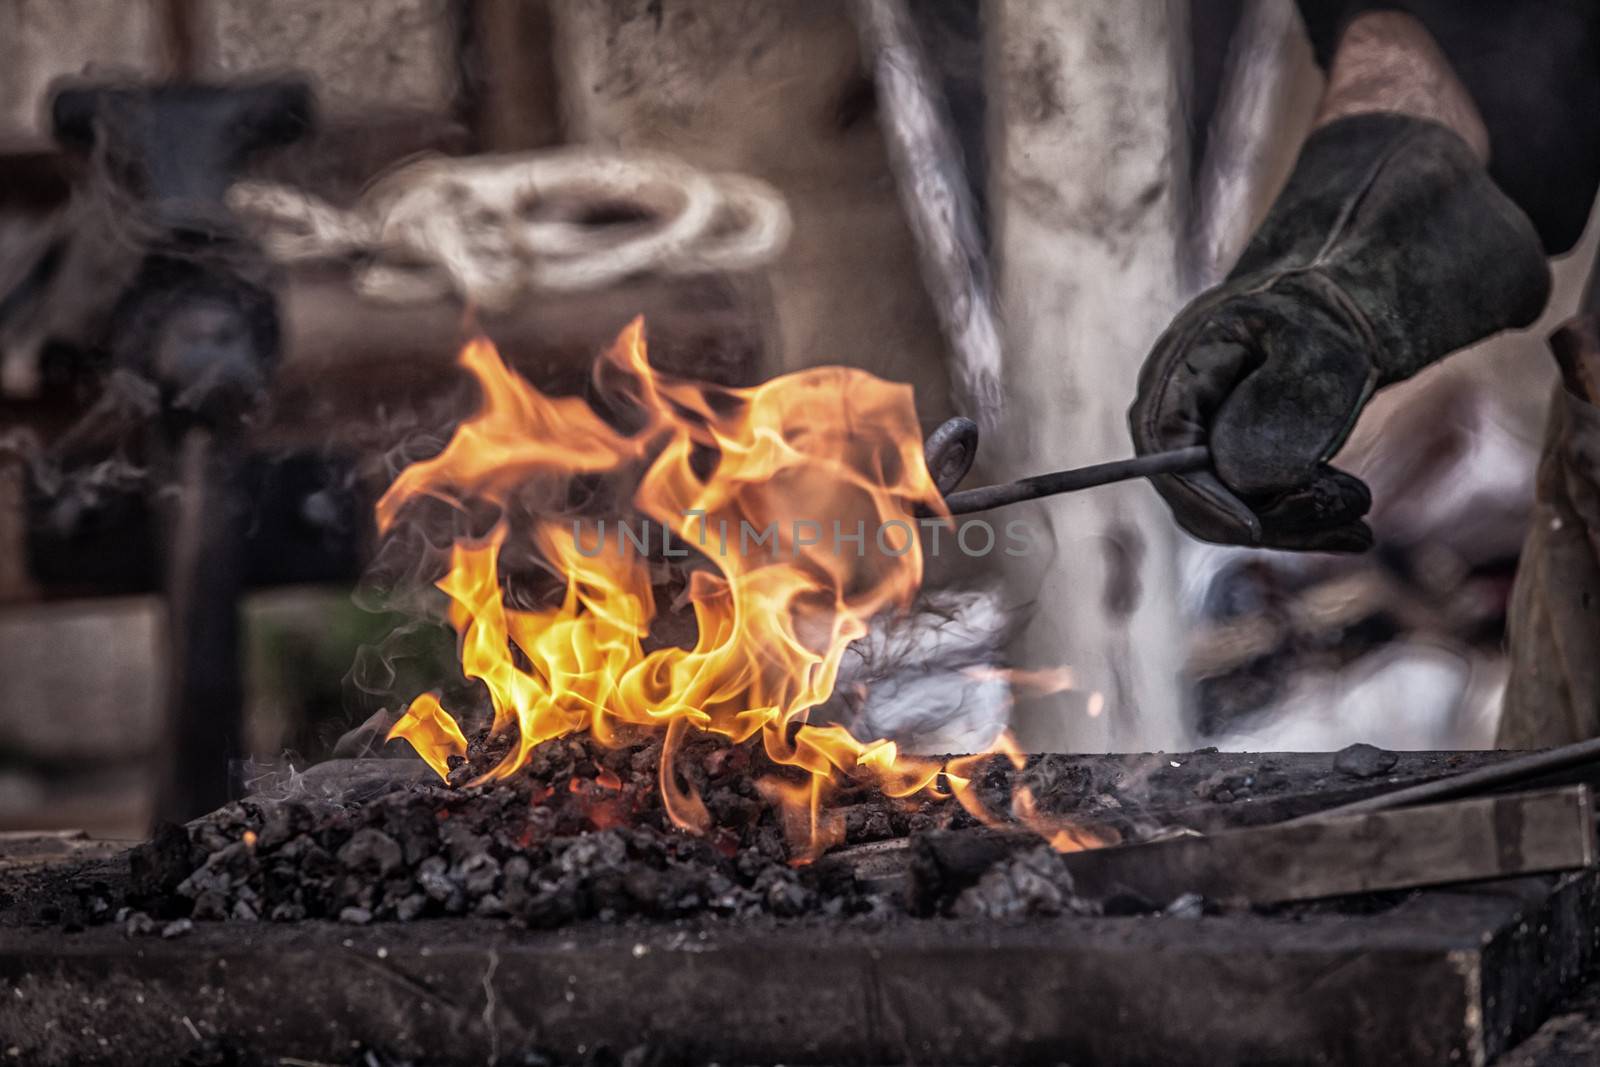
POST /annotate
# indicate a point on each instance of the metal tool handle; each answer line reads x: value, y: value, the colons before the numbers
x: 1176, y: 461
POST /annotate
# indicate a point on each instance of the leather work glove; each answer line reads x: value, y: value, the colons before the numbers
x: 1389, y: 248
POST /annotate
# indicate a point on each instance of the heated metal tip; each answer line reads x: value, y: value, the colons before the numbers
x: 950, y: 450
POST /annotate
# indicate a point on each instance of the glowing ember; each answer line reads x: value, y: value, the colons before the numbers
x: 765, y: 490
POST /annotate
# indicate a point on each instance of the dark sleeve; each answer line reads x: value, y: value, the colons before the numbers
x: 1533, y: 69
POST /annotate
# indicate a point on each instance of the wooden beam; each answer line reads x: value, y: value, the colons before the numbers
x: 1478, y: 839
x: 1448, y: 977
x: 1439, y: 844
x: 925, y: 156
x: 510, y: 74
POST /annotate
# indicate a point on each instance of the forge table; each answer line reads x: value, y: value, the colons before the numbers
x: 1449, y: 976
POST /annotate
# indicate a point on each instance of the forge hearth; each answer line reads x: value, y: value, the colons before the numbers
x: 1446, y: 977
x: 823, y: 964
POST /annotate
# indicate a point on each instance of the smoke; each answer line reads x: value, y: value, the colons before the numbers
x: 930, y: 679
x: 340, y: 780
x: 416, y: 655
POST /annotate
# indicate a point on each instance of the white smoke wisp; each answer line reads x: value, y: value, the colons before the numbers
x: 931, y: 680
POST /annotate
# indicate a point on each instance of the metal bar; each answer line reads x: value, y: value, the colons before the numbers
x: 204, y: 580
x: 1519, y: 771
x: 1176, y: 461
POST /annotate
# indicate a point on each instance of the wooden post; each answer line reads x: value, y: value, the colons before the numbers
x: 512, y: 91
x: 1088, y: 167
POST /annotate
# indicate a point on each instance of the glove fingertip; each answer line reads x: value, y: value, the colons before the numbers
x: 1362, y: 539
x: 1350, y: 537
x: 1353, y: 537
x: 1205, y: 508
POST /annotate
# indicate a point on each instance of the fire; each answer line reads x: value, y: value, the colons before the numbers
x: 793, y: 502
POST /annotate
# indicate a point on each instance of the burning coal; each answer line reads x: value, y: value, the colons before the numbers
x: 771, y: 626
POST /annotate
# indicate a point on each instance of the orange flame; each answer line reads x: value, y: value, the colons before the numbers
x: 432, y: 732
x: 768, y: 487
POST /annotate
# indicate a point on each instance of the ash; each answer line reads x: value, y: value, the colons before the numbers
x: 1034, y: 882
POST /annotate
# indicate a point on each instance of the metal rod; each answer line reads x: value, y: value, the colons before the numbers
x: 1519, y: 771
x: 1176, y: 461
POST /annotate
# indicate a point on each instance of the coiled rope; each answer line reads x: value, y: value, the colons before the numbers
x: 492, y: 228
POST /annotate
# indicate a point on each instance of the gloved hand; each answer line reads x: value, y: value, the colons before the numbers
x: 1389, y: 248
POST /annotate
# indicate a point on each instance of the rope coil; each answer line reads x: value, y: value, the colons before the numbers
x: 492, y: 228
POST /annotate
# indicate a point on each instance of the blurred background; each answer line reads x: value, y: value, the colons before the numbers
x: 1111, y: 160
